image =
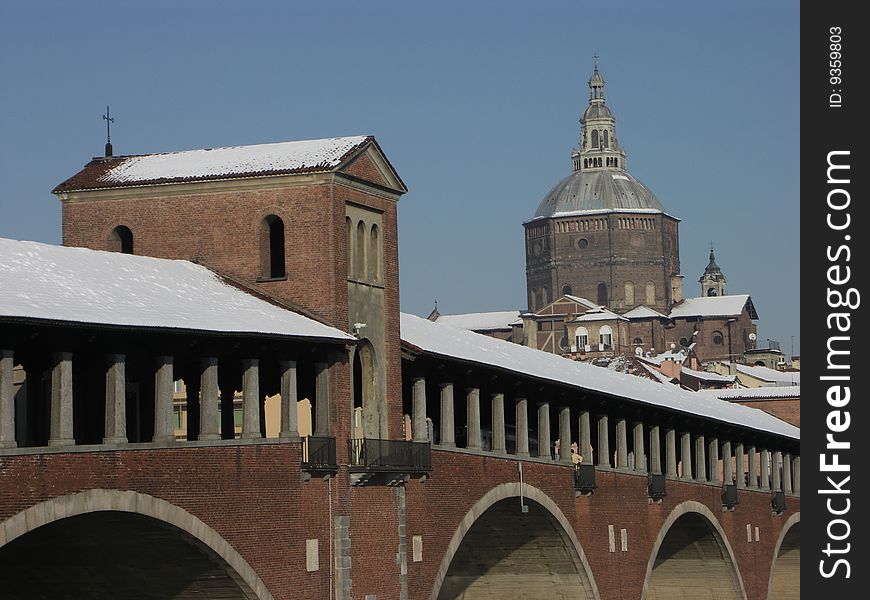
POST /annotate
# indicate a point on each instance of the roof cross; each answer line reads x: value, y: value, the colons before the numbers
x: 595, y: 58
x: 108, y: 120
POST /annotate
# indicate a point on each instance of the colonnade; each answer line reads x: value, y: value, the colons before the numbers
x: 620, y: 443
x: 211, y: 418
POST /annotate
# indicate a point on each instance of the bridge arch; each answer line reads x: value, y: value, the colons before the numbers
x: 692, y: 530
x: 132, y: 503
x: 785, y: 572
x: 547, y: 516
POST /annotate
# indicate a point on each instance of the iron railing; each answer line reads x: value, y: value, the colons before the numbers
x: 584, y: 478
x: 391, y: 455
x: 318, y: 454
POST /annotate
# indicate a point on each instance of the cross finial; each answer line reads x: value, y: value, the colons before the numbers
x: 108, y: 120
x: 595, y: 58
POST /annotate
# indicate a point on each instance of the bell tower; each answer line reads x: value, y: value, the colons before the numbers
x: 713, y: 280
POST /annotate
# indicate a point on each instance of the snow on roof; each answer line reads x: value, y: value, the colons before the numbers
x: 598, y: 314
x: 482, y: 321
x: 581, y: 300
x: 643, y: 312
x: 679, y: 356
x: 708, y: 376
x: 215, y: 163
x: 768, y: 374
x: 657, y: 374
x: 454, y: 343
x: 761, y: 393
x: 56, y: 283
x: 711, y: 306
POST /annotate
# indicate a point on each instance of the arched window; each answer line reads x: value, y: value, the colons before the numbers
x: 349, y: 224
x: 684, y: 342
x: 594, y: 138
x: 272, y: 247
x: 605, y: 338
x: 566, y: 290
x: 538, y: 303
x: 638, y: 341
x: 615, y: 162
x: 602, y: 294
x: 374, y: 254
x: 585, y: 163
x: 606, y: 139
x: 581, y: 338
x: 718, y: 338
x: 121, y: 240
x: 629, y: 293
x: 650, y: 292
x: 545, y: 299
x: 360, y: 258
x: 711, y: 291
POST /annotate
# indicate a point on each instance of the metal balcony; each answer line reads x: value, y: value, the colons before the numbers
x: 384, y: 456
x: 584, y: 478
x: 318, y: 454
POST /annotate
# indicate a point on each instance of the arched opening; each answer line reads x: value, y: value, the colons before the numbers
x: 692, y: 562
x: 149, y: 558
x: 367, y: 408
x: 606, y: 139
x: 581, y: 337
x: 121, y: 240
x: 349, y: 225
x: 718, y: 338
x: 711, y: 291
x: 629, y: 293
x: 605, y: 338
x: 272, y: 247
x: 508, y: 554
x: 545, y: 297
x: 650, y: 293
x: 374, y: 254
x: 360, y: 257
x: 785, y: 573
x: 566, y: 290
x: 594, y: 138
x: 602, y: 294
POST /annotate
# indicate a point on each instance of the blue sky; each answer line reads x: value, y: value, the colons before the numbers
x: 476, y: 105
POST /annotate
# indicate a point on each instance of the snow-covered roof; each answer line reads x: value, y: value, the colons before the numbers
x: 215, y: 163
x: 482, y: 321
x: 457, y: 344
x: 760, y: 393
x: 679, y: 356
x: 657, y: 374
x: 772, y: 375
x: 61, y: 284
x: 708, y: 376
x: 711, y: 306
x: 643, y: 312
x: 599, y: 314
x: 581, y: 300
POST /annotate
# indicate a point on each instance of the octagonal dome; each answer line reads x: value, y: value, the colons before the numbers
x: 598, y: 190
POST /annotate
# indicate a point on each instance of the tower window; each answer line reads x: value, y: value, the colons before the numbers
x: 349, y: 224
x: 606, y: 139
x: 374, y: 255
x: 272, y: 247
x: 711, y: 291
x: 650, y: 292
x: 629, y: 293
x: 718, y: 339
x: 638, y: 341
x: 121, y: 240
x: 602, y: 294
x: 360, y: 258
x: 566, y: 290
x: 594, y: 138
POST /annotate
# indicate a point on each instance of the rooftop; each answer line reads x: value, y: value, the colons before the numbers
x: 761, y: 393
x: 770, y: 375
x: 482, y: 321
x: 215, y: 163
x: 47, y: 283
x: 714, y: 306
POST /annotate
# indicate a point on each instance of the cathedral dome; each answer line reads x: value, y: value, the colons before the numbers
x: 597, y: 111
x: 598, y: 190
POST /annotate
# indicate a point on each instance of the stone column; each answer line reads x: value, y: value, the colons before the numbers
x: 164, y: 430
x: 7, y: 400
x: 700, y: 459
x: 472, y: 418
x: 775, y: 471
x: 740, y: 467
x: 639, y: 451
x: 713, y: 455
x: 671, y: 453
x: 727, y: 464
x: 208, y: 400
x: 753, y: 467
x: 796, y: 461
x: 61, y: 400
x: 323, y: 396
x: 448, y: 431
x: 603, y: 442
x: 522, y: 406
x: 115, y: 430
x: 251, y: 399
x: 786, y: 474
x: 621, y: 444
x: 289, y: 431
x: 584, y: 447
x: 655, y: 450
x: 418, y: 409
x: 686, y: 456
x: 565, y: 434
x: 544, y: 430
x: 764, y: 479
x: 498, y: 428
